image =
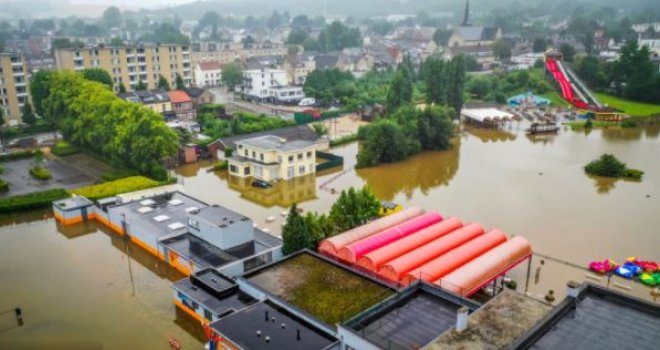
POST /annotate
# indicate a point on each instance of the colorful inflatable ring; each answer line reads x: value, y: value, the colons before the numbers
x: 647, y: 279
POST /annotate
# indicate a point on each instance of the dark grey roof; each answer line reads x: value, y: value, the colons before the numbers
x: 296, y: 132
x: 266, y: 318
x: 225, y: 304
x: 202, y: 253
x: 145, y: 96
x: 194, y: 92
x: 272, y: 142
x: 602, y: 319
x: 489, y: 33
x: 411, y: 319
x: 477, y: 33
x: 219, y: 215
x: 326, y: 61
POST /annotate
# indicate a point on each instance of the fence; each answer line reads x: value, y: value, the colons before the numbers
x: 332, y: 160
x: 304, y: 118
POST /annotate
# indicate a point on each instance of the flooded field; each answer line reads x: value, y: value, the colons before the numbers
x: 78, y: 290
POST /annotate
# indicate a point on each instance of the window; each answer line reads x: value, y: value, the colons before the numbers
x: 207, y: 314
x: 233, y: 169
x: 261, y: 156
x: 258, y: 171
x: 246, y: 170
x: 290, y: 158
x: 309, y: 154
x: 301, y: 170
x: 300, y: 156
x: 254, y: 154
x: 246, y: 153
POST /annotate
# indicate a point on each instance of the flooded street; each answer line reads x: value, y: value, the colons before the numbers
x: 77, y: 290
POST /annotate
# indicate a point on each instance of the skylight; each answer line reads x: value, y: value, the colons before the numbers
x: 175, y: 202
x: 144, y: 210
x: 147, y: 202
x: 161, y: 218
x: 176, y: 225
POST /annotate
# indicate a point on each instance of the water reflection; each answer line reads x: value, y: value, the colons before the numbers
x: 425, y: 171
x: 543, y: 139
x: 25, y: 217
x: 606, y: 184
x: 192, y: 169
x: 491, y: 135
x: 282, y: 194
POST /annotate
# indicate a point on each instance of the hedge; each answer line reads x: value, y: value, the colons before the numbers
x: 18, y: 131
x: 116, y: 174
x: 113, y: 188
x: 35, y: 200
x: 64, y: 148
x: 19, y: 155
x: 40, y: 173
x: 4, y: 186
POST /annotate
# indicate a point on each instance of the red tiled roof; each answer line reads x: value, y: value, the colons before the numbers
x: 178, y: 96
x: 210, y: 65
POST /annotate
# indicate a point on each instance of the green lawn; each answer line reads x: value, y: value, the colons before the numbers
x: 630, y: 107
x: 555, y: 98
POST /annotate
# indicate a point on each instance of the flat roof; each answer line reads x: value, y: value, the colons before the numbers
x: 601, y: 319
x: 412, y: 319
x: 321, y: 288
x: 273, y: 323
x: 226, y: 304
x: 486, y: 114
x: 272, y: 142
x: 71, y: 203
x: 219, y: 215
x: 497, y: 324
x: 166, y: 210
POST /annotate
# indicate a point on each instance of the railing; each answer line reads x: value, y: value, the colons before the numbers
x: 333, y: 160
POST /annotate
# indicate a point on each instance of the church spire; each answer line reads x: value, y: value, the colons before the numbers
x: 466, y: 15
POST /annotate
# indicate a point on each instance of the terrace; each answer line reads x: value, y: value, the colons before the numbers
x: 319, y: 287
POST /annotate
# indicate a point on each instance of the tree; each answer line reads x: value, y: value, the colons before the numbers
x: 248, y: 42
x: 456, y: 83
x: 116, y: 42
x: 232, y: 75
x: 141, y: 86
x: 294, y: 233
x: 2, y: 116
x: 436, y: 80
x: 99, y: 75
x: 121, y: 88
x: 539, y: 45
x: 275, y: 20
x: 111, y: 17
x: 28, y: 115
x: 337, y: 36
x: 441, y: 36
x: 384, y: 141
x: 567, y: 51
x: 300, y: 21
x: 502, y: 49
x: 163, y: 83
x: 39, y: 89
x: 354, y: 208
x: 401, y: 89
x: 297, y: 37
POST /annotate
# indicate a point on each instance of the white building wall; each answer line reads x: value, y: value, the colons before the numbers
x: 259, y: 81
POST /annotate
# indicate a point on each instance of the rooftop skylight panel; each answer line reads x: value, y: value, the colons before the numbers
x: 175, y: 202
x: 144, y: 210
x: 147, y: 202
x: 161, y: 218
x: 176, y: 226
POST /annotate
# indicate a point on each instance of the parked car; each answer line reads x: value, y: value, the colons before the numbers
x: 307, y: 101
x: 261, y: 184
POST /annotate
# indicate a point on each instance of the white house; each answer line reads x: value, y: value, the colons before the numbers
x: 270, y: 84
x: 208, y: 74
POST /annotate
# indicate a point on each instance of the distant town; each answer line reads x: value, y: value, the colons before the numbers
x: 367, y: 175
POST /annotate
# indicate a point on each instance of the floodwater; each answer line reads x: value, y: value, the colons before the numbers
x: 77, y: 291
x: 80, y: 288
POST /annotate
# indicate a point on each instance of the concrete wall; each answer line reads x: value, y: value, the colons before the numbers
x: 353, y: 340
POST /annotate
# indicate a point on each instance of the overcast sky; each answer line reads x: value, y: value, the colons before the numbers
x: 129, y: 3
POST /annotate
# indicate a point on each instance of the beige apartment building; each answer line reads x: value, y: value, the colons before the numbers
x: 13, y: 86
x: 232, y: 54
x: 130, y: 65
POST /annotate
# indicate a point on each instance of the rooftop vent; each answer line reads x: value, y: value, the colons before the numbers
x: 161, y: 218
x: 147, y: 202
x: 258, y: 333
x: 176, y: 226
x: 144, y: 210
x: 192, y: 210
x: 267, y: 339
x: 175, y: 202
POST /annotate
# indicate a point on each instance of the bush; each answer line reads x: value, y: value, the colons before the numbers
x: 219, y: 166
x: 113, y: 188
x: 40, y: 173
x: 634, y: 174
x: 116, y: 174
x: 4, y: 186
x: 35, y: 200
x: 588, y: 124
x: 628, y: 124
x: 19, y: 155
x: 344, y: 139
x: 64, y: 148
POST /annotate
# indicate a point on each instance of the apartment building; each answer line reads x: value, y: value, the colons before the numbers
x: 13, y: 86
x: 272, y: 158
x: 130, y: 65
x: 208, y: 74
x: 270, y: 85
x: 229, y: 53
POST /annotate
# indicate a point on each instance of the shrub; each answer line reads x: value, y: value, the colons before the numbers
x: 588, y: 124
x: 113, y: 188
x: 40, y: 173
x: 116, y: 174
x: 628, y: 124
x: 219, y: 166
x: 64, y: 148
x: 4, y: 186
x: 35, y: 200
x: 634, y: 174
x: 344, y: 139
x: 19, y: 155
x: 606, y: 165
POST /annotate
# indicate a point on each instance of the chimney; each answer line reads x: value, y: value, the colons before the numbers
x: 572, y: 289
x: 462, y: 319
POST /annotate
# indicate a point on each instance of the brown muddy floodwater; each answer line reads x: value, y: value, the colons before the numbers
x: 77, y: 291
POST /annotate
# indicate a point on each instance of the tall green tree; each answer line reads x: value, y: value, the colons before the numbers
x: 456, y: 83
x: 502, y: 49
x: 179, y: 82
x: 354, y: 208
x: 28, y: 114
x: 163, y: 83
x: 121, y: 88
x: 40, y: 83
x: 401, y: 89
x: 232, y: 75
x: 295, y: 235
x: 111, y: 17
x: 436, y: 80
x: 141, y: 86
x: 99, y: 75
x: 567, y: 51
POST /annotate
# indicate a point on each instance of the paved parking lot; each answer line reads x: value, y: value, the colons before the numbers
x: 68, y: 172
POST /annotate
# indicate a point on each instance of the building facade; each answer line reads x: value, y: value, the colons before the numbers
x: 156, y: 100
x: 208, y: 74
x: 182, y: 104
x: 271, y: 158
x: 130, y: 65
x: 270, y: 84
x: 13, y: 86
